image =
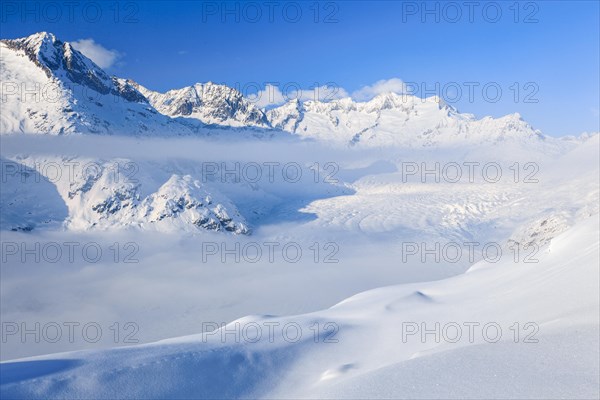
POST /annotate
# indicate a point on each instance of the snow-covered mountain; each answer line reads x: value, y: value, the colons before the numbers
x: 349, y: 214
x: 209, y: 103
x: 104, y: 196
x: 107, y: 200
x: 49, y: 87
x: 397, y: 119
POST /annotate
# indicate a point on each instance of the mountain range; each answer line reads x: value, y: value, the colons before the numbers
x: 49, y: 87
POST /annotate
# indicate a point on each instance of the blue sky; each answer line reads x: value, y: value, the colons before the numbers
x: 543, y: 56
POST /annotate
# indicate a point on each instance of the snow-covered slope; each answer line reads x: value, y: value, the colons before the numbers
x: 28, y: 202
x: 505, y: 330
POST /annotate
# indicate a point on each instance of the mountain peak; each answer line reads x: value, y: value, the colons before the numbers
x: 388, y: 101
x: 60, y: 60
x: 39, y: 38
x: 515, y: 116
x: 388, y: 95
x: 42, y: 48
x: 412, y: 119
x: 208, y: 102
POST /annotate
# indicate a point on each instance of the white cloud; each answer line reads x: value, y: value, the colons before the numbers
x: 324, y: 93
x: 272, y: 95
x: 103, y: 57
x: 268, y: 97
x: 393, y: 85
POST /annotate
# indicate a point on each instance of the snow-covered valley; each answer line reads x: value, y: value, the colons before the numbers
x: 189, y: 244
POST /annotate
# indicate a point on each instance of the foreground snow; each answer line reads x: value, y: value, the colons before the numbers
x: 364, y: 346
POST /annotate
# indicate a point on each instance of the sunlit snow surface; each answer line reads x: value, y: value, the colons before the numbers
x: 149, y: 195
x: 368, y: 357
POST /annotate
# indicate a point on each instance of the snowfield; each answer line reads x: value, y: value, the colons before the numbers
x: 372, y: 344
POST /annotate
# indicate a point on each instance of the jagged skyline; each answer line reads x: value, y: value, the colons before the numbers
x: 555, y: 90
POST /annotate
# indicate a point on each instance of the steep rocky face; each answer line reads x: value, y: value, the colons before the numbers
x: 210, y: 103
x: 287, y: 117
x: 128, y: 90
x: 49, y: 87
x: 57, y: 59
x: 186, y: 199
x: 74, y: 95
x: 108, y: 195
x: 61, y: 61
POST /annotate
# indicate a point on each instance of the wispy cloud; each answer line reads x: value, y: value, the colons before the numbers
x: 393, y: 85
x: 272, y: 95
x: 102, y: 56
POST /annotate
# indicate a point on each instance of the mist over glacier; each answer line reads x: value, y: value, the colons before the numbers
x: 190, y: 244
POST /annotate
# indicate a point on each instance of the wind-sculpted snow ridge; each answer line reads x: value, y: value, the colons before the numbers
x: 371, y: 345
